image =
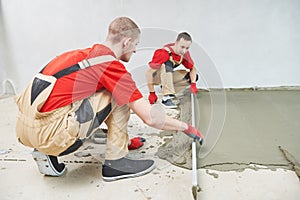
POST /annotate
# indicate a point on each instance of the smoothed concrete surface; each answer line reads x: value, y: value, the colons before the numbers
x: 256, y: 124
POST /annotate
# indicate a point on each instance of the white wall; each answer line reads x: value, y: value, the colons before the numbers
x: 237, y: 43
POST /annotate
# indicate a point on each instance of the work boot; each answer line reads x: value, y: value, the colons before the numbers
x: 168, y: 103
x: 113, y: 170
x: 48, y: 165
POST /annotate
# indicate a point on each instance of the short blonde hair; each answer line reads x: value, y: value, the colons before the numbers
x: 122, y: 27
x: 185, y: 36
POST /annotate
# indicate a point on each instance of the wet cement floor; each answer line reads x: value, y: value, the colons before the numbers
x: 245, y: 128
x: 256, y: 124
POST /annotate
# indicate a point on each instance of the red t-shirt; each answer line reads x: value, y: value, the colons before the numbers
x: 162, y: 55
x: 81, y: 84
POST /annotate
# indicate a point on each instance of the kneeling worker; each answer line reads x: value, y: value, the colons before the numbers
x: 162, y: 66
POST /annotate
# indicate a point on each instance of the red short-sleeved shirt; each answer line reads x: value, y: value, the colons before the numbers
x: 81, y: 84
x: 162, y: 55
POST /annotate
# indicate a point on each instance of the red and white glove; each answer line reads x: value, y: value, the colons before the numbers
x: 136, y: 143
x: 194, y: 133
x: 152, y: 98
x: 193, y: 88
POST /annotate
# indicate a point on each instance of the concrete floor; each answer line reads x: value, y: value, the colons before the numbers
x: 20, y: 178
x: 256, y: 124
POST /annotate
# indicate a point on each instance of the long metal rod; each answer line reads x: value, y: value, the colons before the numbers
x: 194, y: 153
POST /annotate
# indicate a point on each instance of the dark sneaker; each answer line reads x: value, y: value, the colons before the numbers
x: 125, y: 168
x: 173, y: 97
x: 168, y: 103
x: 48, y: 165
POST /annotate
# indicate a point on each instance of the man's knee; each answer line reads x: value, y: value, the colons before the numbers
x: 187, y: 77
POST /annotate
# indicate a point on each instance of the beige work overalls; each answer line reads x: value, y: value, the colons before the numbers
x: 172, y: 81
x: 54, y: 132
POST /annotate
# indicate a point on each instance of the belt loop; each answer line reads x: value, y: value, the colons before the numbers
x: 84, y: 64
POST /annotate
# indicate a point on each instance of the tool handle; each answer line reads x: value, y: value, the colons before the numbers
x: 194, y: 153
x: 193, y: 109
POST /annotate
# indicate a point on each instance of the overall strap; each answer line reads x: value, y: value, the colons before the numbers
x: 83, y: 64
x: 95, y: 61
x: 176, y: 64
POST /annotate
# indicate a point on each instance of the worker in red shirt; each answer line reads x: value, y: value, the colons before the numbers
x: 162, y: 66
x: 72, y: 95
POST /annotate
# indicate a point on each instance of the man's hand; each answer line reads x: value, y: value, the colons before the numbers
x: 194, y: 133
x: 152, y: 98
x: 193, y: 88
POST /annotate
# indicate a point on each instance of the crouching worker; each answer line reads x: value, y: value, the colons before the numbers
x: 68, y: 100
x: 162, y: 70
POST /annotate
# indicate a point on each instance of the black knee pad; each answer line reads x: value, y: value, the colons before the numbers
x: 187, y: 77
x: 169, y: 66
x: 85, y: 112
x: 72, y: 148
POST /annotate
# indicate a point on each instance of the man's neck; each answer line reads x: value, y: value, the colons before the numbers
x: 115, y: 48
x: 172, y: 48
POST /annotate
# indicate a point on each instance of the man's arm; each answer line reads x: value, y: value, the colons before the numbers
x: 193, y: 78
x: 149, y: 78
x: 160, y: 56
x: 193, y: 74
x: 155, y: 117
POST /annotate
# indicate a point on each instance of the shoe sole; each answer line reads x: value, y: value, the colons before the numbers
x: 45, y: 166
x: 169, y: 106
x: 109, y: 179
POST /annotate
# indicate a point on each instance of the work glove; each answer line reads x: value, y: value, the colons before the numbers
x: 193, y: 88
x: 152, y: 97
x: 194, y: 133
x: 136, y: 143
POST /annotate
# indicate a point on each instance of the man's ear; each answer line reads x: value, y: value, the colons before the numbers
x: 126, y: 42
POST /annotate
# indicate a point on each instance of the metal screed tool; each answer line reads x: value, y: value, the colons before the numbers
x: 195, y: 187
